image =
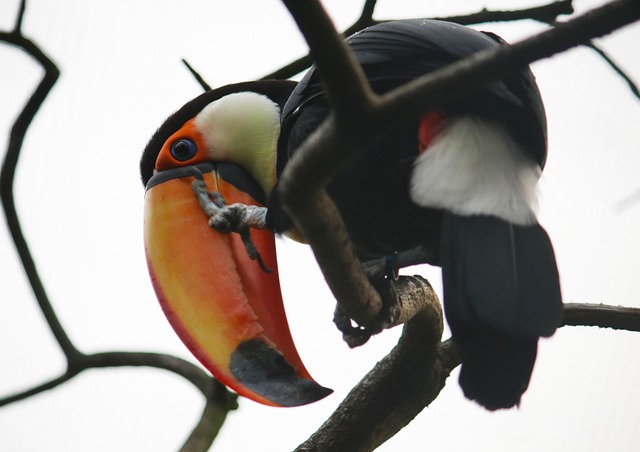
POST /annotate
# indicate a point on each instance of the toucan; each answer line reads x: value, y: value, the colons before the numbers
x: 458, y: 183
x: 226, y: 308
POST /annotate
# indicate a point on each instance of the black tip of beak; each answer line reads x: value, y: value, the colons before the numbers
x: 260, y: 368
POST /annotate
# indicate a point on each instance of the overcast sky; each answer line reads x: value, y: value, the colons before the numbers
x: 80, y: 200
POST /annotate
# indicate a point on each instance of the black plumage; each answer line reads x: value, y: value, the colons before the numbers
x: 501, y: 289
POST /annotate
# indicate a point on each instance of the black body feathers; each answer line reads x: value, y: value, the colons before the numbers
x: 501, y: 283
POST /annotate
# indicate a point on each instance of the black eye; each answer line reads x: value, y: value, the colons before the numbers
x: 183, y: 150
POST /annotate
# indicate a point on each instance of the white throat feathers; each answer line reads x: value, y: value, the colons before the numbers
x: 243, y: 128
x: 474, y: 167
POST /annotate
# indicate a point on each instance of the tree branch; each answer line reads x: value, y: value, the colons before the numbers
x: 352, y: 99
x: 329, y: 148
x: 617, y: 69
x: 18, y: 27
x: 218, y: 400
x: 349, y: 93
x: 51, y: 384
x: 412, y: 375
x: 397, y: 388
x: 602, y: 315
x: 324, y: 153
x: 455, y: 80
x: 7, y: 176
x: 545, y: 13
x: 201, y: 81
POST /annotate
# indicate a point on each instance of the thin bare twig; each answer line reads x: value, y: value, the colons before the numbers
x: 7, y: 176
x: 617, y: 69
x: 612, y: 64
x: 18, y: 27
x: 205, y: 86
x: 219, y: 401
x: 545, y: 13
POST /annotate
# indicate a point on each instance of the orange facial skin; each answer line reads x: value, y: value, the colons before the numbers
x: 216, y: 298
x: 189, y: 131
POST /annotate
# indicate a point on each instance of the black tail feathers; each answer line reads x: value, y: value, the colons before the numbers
x: 501, y: 294
x: 495, y: 369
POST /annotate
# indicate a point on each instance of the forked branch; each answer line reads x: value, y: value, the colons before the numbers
x: 316, y: 217
x: 330, y: 147
x: 545, y: 13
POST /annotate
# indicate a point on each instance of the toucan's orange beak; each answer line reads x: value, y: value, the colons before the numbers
x: 224, y: 307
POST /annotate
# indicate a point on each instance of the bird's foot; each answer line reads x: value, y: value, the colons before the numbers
x: 356, y: 335
x: 383, y: 273
x: 238, y: 217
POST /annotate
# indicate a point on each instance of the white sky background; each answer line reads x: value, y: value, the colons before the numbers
x: 80, y: 201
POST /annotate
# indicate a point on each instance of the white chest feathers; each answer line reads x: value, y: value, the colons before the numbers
x: 474, y: 167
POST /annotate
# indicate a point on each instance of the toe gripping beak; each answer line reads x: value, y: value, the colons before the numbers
x: 224, y: 307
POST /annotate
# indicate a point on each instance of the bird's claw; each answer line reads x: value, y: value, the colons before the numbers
x: 356, y: 335
x: 383, y: 274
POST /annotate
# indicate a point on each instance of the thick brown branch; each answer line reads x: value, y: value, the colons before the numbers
x: 411, y: 376
x: 397, y: 388
x: 331, y: 146
x: 348, y: 91
x: 302, y: 191
x: 359, y: 416
x: 337, y: 258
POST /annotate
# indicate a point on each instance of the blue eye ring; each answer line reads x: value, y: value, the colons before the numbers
x: 183, y: 150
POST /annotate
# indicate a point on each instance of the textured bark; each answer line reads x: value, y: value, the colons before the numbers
x: 398, y: 387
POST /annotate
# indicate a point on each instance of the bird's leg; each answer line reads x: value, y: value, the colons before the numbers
x: 388, y: 266
x: 237, y: 217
